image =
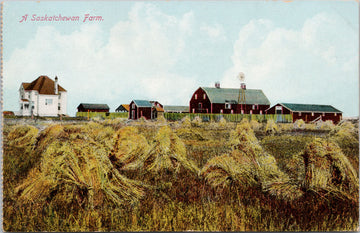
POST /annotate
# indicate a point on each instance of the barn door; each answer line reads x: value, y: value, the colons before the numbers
x: 133, y: 114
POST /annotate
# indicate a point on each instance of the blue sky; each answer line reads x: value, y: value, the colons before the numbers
x: 300, y: 52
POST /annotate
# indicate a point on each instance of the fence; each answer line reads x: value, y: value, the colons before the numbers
x: 103, y: 115
x: 284, y: 118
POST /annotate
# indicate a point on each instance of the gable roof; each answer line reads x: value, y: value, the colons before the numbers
x: 142, y: 103
x: 123, y: 107
x: 43, y: 84
x: 310, y: 108
x: 231, y: 95
x: 94, y: 106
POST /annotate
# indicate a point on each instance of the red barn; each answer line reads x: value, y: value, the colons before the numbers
x: 144, y: 108
x: 225, y: 100
x: 93, y: 108
x: 307, y: 112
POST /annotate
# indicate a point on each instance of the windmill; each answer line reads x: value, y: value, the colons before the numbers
x: 242, y: 97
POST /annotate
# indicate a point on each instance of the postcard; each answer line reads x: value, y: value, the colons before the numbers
x: 180, y: 116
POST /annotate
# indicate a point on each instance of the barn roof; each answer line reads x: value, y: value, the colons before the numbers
x: 43, y: 84
x: 174, y: 108
x: 223, y: 95
x: 310, y: 108
x: 123, y: 107
x: 94, y: 106
x: 142, y: 103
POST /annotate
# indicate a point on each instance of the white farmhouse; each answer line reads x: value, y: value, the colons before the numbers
x: 42, y: 97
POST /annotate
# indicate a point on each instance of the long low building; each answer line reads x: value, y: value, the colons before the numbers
x: 85, y: 107
x: 307, y: 112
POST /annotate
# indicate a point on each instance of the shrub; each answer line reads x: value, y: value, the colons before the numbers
x: 186, y: 122
x: 255, y: 125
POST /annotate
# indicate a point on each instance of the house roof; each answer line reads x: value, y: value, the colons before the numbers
x: 159, y: 109
x: 142, y: 103
x: 94, y: 106
x: 310, y: 108
x: 44, y: 85
x: 174, y: 108
x: 123, y: 107
x: 231, y: 95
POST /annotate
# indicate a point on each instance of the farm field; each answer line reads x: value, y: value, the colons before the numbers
x: 120, y: 175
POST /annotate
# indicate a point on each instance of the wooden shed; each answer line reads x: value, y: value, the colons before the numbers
x: 307, y: 112
x: 83, y: 107
x: 226, y: 101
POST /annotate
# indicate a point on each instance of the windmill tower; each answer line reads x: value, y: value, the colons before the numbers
x: 242, y: 96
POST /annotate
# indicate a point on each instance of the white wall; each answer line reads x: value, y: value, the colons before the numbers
x: 48, y: 109
x: 63, y: 102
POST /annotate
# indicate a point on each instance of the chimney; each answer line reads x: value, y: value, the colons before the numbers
x: 56, y: 86
x: 217, y: 84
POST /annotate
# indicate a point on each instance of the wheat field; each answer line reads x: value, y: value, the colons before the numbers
x: 188, y: 175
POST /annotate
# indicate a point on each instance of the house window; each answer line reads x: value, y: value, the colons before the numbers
x: 21, y: 107
x: 26, y: 106
x: 59, y: 107
x: 204, y: 96
x: 48, y: 101
x: 227, y: 106
x: 196, y: 96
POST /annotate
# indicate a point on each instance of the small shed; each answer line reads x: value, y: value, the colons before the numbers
x: 123, y: 108
x: 144, y: 108
x: 307, y: 112
x: 84, y: 107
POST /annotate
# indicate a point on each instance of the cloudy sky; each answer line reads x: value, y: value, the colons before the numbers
x: 298, y: 52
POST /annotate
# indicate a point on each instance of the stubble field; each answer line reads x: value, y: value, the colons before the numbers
x: 116, y: 175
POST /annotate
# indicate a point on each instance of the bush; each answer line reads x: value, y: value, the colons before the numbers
x: 299, y: 124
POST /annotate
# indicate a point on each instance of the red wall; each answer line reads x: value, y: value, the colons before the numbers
x: 139, y: 112
x: 208, y: 107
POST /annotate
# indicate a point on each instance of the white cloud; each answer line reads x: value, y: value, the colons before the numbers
x: 214, y: 32
x: 314, y: 64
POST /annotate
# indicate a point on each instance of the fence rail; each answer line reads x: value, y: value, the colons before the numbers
x: 285, y: 118
x: 104, y: 115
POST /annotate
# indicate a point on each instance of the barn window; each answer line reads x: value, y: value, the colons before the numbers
x: 260, y: 112
x: 133, y: 105
x: 221, y: 111
x: 204, y: 96
x: 196, y: 96
x: 250, y: 111
x: 200, y: 105
x: 323, y: 113
x: 253, y: 107
x: 312, y: 114
x: 232, y: 111
x: 334, y: 114
x: 299, y: 113
x: 242, y: 111
x: 227, y: 106
x: 193, y: 110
